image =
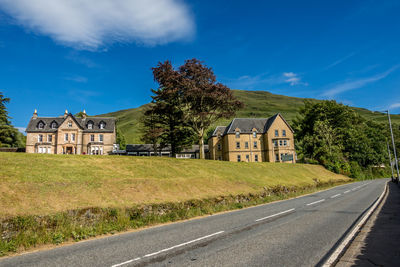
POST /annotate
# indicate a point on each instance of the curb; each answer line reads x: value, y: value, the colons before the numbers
x: 341, y: 249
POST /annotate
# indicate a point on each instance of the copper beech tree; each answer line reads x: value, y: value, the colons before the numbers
x: 198, y: 99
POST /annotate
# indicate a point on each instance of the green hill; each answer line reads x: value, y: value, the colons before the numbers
x: 258, y: 104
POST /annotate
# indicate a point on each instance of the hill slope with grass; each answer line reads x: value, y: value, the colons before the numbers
x: 258, y: 104
x: 43, y: 184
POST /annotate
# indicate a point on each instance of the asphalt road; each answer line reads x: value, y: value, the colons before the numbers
x: 296, y: 232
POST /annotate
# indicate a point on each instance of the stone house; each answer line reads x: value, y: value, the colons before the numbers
x: 253, y: 140
x: 68, y: 134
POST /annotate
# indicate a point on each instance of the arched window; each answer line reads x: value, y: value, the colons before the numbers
x: 40, y: 125
x: 90, y: 125
x: 102, y: 125
x: 53, y: 125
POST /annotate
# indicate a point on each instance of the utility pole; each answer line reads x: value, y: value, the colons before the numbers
x: 394, y: 148
x: 390, y: 160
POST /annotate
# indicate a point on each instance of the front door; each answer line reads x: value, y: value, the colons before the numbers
x: 69, y: 150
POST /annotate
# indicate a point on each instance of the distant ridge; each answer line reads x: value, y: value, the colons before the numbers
x: 258, y: 104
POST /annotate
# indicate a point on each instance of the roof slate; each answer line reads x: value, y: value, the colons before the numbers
x: 82, y: 122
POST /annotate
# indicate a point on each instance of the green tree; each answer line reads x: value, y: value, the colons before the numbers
x: 9, y: 136
x: 120, y: 139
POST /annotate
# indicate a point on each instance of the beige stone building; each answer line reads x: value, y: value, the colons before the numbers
x: 68, y: 134
x: 253, y: 140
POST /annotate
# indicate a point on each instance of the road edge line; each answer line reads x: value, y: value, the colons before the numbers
x: 339, y: 251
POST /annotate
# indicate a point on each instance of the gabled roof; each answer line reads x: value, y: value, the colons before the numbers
x: 247, y: 125
x: 81, y: 122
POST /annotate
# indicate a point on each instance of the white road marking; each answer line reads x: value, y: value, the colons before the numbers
x: 335, y: 195
x: 167, y: 249
x: 126, y: 262
x: 345, y: 192
x: 315, y: 202
x: 276, y: 214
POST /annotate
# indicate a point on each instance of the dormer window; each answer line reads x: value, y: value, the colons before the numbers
x: 237, y: 134
x: 90, y: 125
x: 53, y: 125
x: 254, y: 134
x: 102, y: 125
x: 41, y: 125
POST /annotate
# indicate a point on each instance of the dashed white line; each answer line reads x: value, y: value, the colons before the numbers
x: 167, y: 249
x: 274, y: 215
x: 335, y: 195
x: 345, y: 192
x: 315, y: 202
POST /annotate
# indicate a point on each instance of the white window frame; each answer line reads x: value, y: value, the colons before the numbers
x: 101, y: 138
x: 53, y: 125
x: 254, y: 134
x: 90, y: 126
x: 285, y: 143
x: 40, y: 138
x: 65, y: 137
x: 73, y: 137
x: 237, y: 134
x: 280, y: 143
x: 49, y: 138
x: 41, y: 125
x: 92, y: 138
x: 102, y: 125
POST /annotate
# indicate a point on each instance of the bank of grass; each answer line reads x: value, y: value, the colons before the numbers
x: 54, y: 198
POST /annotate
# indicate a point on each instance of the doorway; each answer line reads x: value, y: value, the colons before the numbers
x: 68, y: 150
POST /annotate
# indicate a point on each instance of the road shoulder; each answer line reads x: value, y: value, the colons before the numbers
x: 377, y: 242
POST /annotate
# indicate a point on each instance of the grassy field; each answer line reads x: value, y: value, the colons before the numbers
x: 258, y: 104
x: 42, y: 184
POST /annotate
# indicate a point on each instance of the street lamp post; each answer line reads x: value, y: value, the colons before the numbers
x: 394, y: 148
x: 390, y: 160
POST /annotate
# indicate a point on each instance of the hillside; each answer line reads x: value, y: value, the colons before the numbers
x: 258, y: 104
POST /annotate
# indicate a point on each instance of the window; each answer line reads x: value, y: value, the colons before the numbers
x: 238, y: 158
x: 53, y: 125
x: 41, y: 125
x: 255, y: 144
x: 72, y: 137
x: 40, y: 138
x: 69, y: 124
x: 280, y: 143
x: 102, y: 125
x: 66, y: 137
x: 282, y: 156
x: 256, y: 158
x: 90, y: 125
x: 101, y: 138
x: 247, y: 158
x: 92, y: 138
x: 283, y: 132
x: 246, y: 144
x: 49, y: 138
x: 276, y: 133
x: 254, y: 134
x: 219, y: 146
x: 237, y: 145
x: 275, y: 143
x: 284, y: 142
x: 277, y: 157
x: 49, y: 150
x: 237, y: 134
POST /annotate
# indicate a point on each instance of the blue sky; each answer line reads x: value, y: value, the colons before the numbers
x: 97, y: 55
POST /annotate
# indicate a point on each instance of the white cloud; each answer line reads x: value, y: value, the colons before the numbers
x: 90, y: 24
x: 355, y: 84
x: 293, y: 79
x: 394, y: 106
x: 337, y: 62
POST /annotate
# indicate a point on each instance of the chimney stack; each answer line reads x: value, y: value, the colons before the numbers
x: 34, y: 114
x: 84, y: 114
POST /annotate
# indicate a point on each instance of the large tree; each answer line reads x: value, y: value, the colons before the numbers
x: 205, y: 101
x: 164, y: 121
